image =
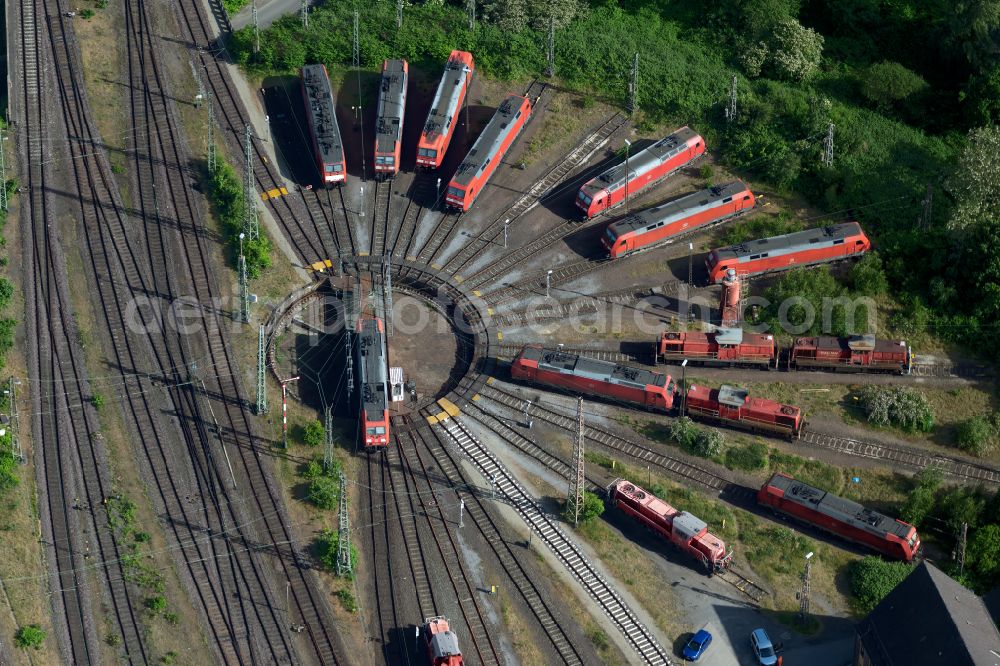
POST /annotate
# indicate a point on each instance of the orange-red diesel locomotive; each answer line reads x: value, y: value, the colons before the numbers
x: 441, y: 642
x: 849, y: 520
x: 722, y: 347
x: 443, y: 117
x: 488, y: 151
x: 687, y: 532
x: 675, y: 219
x: 802, y: 248
x: 389, y: 121
x: 858, y: 353
x: 734, y: 407
x: 328, y: 149
x: 589, y: 376
x: 645, y: 168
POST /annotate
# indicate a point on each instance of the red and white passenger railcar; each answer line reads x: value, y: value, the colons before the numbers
x: 488, y: 151
x: 687, y: 532
x: 722, y: 347
x: 389, y: 121
x: 372, y: 364
x: 849, y: 520
x: 443, y: 117
x: 441, y: 642
x: 589, y: 376
x: 675, y: 219
x: 801, y: 248
x: 645, y: 168
x: 858, y: 353
x: 734, y: 407
x: 321, y: 111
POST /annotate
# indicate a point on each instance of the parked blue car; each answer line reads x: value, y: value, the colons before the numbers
x: 697, y: 645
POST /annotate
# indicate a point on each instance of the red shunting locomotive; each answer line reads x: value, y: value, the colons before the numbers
x: 722, y: 347
x: 441, y: 642
x: 734, y: 407
x: 859, y: 353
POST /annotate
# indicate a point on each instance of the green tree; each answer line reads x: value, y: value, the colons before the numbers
x: 983, y: 554
x: 962, y: 505
x: 974, y: 27
x: 796, y: 50
x: 593, y: 506
x: 886, y: 83
x: 868, y: 276
x: 314, y: 434
x: 974, y: 182
x: 922, y: 499
x: 324, y: 492
x: 30, y: 636
x: 872, y: 579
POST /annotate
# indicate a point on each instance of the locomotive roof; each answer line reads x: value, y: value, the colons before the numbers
x: 444, y: 644
x: 486, y: 146
x: 689, y: 204
x: 391, y: 103
x: 445, y: 104
x: 322, y: 113
x: 371, y: 347
x: 856, y: 343
x: 733, y: 396
x: 591, y: 368
x: 728, y: 336
x: 642, y: 161
x: 789, y: 243
x: 687, y: 525
x: 839, y: 508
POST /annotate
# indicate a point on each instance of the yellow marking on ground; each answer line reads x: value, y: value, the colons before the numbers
x: 500, y: 336
x: 362, y: 254
x: 432, y: 420
x: 449, y: 407
x: 274, y: 194
x: 459, y: 279
x: 489, y: 381
x: 411, y: 257
x: 321, y: 265
x: 489, y: 311
x: 475, y: 397
x: 475, y: 292
x: 436, y: 267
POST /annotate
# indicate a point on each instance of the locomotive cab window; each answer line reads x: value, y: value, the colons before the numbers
x: 338, y: 168
x: 328, y: 168
x: 455, y: 192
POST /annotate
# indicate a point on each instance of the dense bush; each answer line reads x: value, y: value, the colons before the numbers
x: 897, y: 406
x: 922, y: 499
x: 868, y: 276
x: 886, y: 83
x: 30, y: 636
x: 593, y: 506
x: 749, y: 457
x: 226, y: 194
x: 313, y: 434
x: 873, y: 578
x: 704, y: 442
x: 978, y: 435
x: 324, y: 492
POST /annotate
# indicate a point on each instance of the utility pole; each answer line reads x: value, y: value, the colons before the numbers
x: 461, y: 513
x: 399, y: 14
x: 470, y: 7
x: 199, y: 96
x: 828, y: 146
x: 690, y: 264
x: 731, y: 107
x: 804, y: 593
x: 15, y: 429
x: 344, y: 564
x: 576, y: 482
x: 261, y: 373
x: 548, y: 284
x: 3, y: 174
x: 925, y: 211
x: 251, y: 225
x: 256, y: 28
x: 284, y: 410
x: 960, y: 548
x: 356, y: 49
x: 244, y: 286
x: 328, y: 445
x: 387, y: 289
x: 550, y: 69
x: 506, y: 224
x: 633, y: 87
x: 212, y: 155
x: 628, y: 144
x: 304, y: 13
x: 527, y: 415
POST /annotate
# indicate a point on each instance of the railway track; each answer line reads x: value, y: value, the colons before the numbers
x: 538, y: 192
x: 380, y: 217
x: 421, y: 189
x: 380, y: 560
x: 536, y: 284
x: 603, y: 593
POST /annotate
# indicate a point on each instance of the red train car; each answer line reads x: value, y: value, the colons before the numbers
x: 443, y: 117
x: 675, y: 219
x: 589, y: 376
x: 646, y: 167
x: 802, y: 248
x: 488, y: 151
x: 680, y: 528
x: 734, y: 407
x: 441, y: 642
x: 858, y: 353
x: 389, y: 121
x: 328, y: 148
x: 889, y: 536
x: 722, y: 347
x: 372, y: 361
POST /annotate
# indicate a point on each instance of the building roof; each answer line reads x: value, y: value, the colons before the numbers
x: 642, y: 161
x: 794, y: 242
x: 488, y: 144
x: 391, y: 102
x: 591, y: 368
x: 671, y: 211
x: 322, y: 113
x: 932, y: 620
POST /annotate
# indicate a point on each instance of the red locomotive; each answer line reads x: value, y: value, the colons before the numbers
x: 371, y: 363
x: 723, y: 347
x: 680, y: 528
x: 441, y: 642
x: 447, y: 104
x: 734, y: 407
x: 802, y: 248
x: 321, y: 111
x: 677, y: 218
x: 389, y: 121
x: 488, y: 151
x: 579, y: 374
x: 645, y: 168
x: 858, y: 353
x: 888, y: 536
